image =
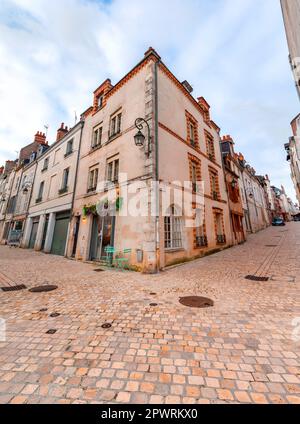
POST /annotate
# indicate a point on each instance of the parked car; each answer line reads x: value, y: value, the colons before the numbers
x: 278, y: 222
x: 297, y: 218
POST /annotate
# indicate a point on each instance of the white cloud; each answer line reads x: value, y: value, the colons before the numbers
x: 54, y: 54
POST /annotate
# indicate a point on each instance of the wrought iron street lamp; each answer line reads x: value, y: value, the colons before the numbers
x: 139, y: 138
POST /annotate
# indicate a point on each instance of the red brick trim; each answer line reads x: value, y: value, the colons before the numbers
x: 165, y: 128
x: 210, y: 146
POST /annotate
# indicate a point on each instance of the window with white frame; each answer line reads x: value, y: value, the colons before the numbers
x: 93, y: 179
x: 69, y: 147
x: 46, y: 164
x: 115, y: 124
x: 112, y: 173
x: 97, y: 136
x: 173, y: 231
x: 65, y: 180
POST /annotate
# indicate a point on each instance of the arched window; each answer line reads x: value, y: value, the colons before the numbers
x: 173, y: 230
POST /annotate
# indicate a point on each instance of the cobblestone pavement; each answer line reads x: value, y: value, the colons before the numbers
x: 243, y: 350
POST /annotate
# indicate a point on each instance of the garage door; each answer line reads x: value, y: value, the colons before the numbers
x: 60, y: 234
x: 33, y: 234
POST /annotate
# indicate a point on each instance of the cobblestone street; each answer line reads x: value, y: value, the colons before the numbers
x: 242, y: 350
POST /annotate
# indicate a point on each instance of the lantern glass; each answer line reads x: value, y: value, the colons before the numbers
x: 139, y: 139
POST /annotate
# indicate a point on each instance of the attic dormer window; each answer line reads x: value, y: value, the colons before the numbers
x: 100, y: 99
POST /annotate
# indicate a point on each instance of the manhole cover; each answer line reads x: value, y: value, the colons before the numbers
x: 43, y: 310
x: 52, y: 331
x: 255, y: 278
x: 13, y: 288
x: 54, y: 315
x: 41, y: 289
x: 99, y: 270
x: 106, y: 326
x: 153, y: 294
x: 196, y: 302
x: 271, y: 245
x: 153, y: 304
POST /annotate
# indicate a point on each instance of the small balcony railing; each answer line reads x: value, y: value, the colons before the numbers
x: 201, y: 241
x: 221, y: 239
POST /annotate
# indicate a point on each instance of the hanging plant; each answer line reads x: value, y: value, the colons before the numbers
x: 89, y: 210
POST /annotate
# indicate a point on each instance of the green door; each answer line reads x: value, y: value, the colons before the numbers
x: 60, y: 234
x: 33, y: 234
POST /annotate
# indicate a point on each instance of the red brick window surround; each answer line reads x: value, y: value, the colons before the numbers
x: 192, y: 130
x: 214, y: 184
x: 219, y: 226
x: 195, y: 172
x: 210, y: 146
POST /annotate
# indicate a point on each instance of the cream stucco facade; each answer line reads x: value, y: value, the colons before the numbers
x: 150, y: 91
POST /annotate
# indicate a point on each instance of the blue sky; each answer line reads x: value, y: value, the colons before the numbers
x: 233, y: 52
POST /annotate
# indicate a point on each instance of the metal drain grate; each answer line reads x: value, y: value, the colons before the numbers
x: 52, y: 331
x: 196, y: 302
x: 99, y: 270
x: 13, y: 288
x: 256, y: 278
x: 106, y: 326
x: 153, y: 304
x: 54, y: 315
x: 41, y: 289
x: 271, y: 245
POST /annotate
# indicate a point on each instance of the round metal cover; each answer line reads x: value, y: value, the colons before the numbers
x: 40, y: 289
x: 153, y: 294
x: 43, y: 310
x: 99, y: 270
x: 196, y: 302
x: 54, y: 315
x: 105, y: 326
x: 153, y: 304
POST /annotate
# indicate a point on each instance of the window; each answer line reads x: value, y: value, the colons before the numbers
x: 219, y: 226
x: 69, y: 150
x: 192, y: 134
x: 112, y: 175
x: 46, y: 165
x: 192, y: 130
x: 100, y: 101
x: 17, y: 183
x: 11, y: 205
x: 200, y: 230
x: 41, y: 191
x: 93, y: 179
x: 173, y: 236
x: 64, y: 187
x: 115, y: 125
x: 214, y: 182
x: 210, y: 147
x: 97, y: 137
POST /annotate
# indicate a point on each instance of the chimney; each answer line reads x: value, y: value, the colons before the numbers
x: 228, y: 138
x: 1, y: 170
x: 205, y: 107
x: 61, y: 132
x: 40, y: 138
x: 9, y: 166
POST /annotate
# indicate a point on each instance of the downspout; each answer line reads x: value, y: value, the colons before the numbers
x: 76, y: 175
x: 156, y: 167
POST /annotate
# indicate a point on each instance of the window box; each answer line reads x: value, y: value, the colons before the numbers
x: 63, y: 190
x: 221, y: 239
x: 201, y: 241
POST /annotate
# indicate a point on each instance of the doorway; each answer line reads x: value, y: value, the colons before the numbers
x: 34, y: 229
x: 76, y: 232
x: 102, y: 236
x: 60, y: 234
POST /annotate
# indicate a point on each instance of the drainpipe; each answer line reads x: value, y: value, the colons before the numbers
x: 156, y: 166
x: 76, y: 175
x: 9, y: 197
